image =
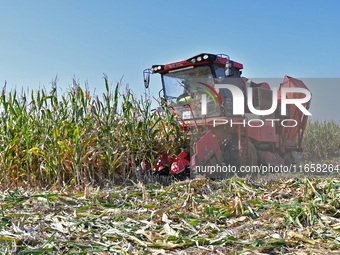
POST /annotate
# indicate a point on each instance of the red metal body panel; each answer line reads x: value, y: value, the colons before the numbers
x: 292, y: 136
x: 207, y: 147
x: 290, y: 82
x: 265, y: 85
x: 162, y: 162
x: 263, y: 134
x: 180, y: 163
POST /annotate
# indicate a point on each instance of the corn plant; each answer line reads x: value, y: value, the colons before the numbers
x: 79, y: 138
x: 321, y: 141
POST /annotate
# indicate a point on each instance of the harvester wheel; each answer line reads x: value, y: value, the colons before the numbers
x: 252, y: 154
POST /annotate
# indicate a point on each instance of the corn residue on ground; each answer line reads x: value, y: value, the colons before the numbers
x: 234, y: 216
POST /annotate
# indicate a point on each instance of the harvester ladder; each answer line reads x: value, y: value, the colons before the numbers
x: 243, y: 144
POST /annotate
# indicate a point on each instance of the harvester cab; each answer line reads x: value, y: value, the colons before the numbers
x: 195, y: 89
x: 185, y: 81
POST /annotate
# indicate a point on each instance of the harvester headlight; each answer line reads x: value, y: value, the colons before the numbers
x: 199, y: 59
x: 159, y: 67
x: 205, y: 57
x: 193, y: 60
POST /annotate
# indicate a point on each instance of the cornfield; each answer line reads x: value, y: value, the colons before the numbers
x: 81, y: 139
x: 50, y: 146
x: 200, y: 216
x: 321, y: 141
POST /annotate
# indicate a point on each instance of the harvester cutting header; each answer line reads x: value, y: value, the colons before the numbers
x: 236, y: 121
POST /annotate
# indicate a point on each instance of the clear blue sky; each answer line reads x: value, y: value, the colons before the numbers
x: 40, y: 39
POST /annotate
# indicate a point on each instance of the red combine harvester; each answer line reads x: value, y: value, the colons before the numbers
x: 233, y: 121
